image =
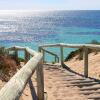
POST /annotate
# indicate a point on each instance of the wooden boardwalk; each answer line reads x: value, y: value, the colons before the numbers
x: 60, y: 84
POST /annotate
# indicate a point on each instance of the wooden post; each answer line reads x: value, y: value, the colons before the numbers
x: 27, y: 56
x: 85, y: 62
x: 43, y: 52
x: 61, y: 55
x: 55, y: 59
x: 39, y: 49
x: 16, y: 56
x: 40, y: 81
x: 43, y: 55
x: 58, y: 60
x: 15, y: 86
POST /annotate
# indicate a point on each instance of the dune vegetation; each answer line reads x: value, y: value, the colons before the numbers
x: 79, y: 52
x: 8, y: 64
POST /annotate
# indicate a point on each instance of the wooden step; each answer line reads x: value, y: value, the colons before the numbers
x: 45, y: 95
x: 84, y: 81
x: 89, y: 92
x: 90, y: 88
x: 63, y: 75
x: 74, y: 79
x: 94, y: 97
x: 83, y: 84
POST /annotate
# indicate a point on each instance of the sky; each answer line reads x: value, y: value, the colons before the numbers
x: 49, y: 5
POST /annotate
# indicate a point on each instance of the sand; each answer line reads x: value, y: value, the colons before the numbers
x: 94, y: 65
x: 56, y: 84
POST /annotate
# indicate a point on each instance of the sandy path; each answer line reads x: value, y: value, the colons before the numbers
x: 56, y: 86
x: 59, y: 85
x: 94, y: 65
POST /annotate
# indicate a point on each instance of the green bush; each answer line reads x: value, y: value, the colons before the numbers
x: 21, y: 59
x: 53, y: 62
x: 3, y: 51
x: 79, y: 52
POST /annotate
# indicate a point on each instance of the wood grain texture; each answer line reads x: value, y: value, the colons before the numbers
x: 85, y: 57
x: 15, y: 86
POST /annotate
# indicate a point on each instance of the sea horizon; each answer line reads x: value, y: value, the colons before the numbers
x: 34, y: 28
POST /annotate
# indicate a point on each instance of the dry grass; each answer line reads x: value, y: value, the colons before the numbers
x: 8, y: 68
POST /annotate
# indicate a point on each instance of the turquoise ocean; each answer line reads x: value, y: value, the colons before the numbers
x: 36, y: 28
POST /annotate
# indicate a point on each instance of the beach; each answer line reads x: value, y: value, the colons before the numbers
x: 94, y: 65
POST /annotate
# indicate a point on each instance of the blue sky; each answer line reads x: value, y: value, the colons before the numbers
x: 49, y: 4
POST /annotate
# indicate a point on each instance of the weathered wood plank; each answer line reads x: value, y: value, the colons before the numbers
x: 85, y: 61
x: 61, y: 55
x: 84, y: 84
x: 31, y: 52
x: 90, y: 88
x: 27, y: 56
x: 40, y: 81
x: 84, y: 81
x: 89, y: 92
x: 49, y: 52
x: 43, y: 56
x: 14, y: 88
x: 91, y: 46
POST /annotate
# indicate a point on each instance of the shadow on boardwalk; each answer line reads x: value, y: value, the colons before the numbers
x: 72, y: 71
x: 32, y: 89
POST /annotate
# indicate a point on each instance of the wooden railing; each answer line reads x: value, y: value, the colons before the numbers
x: 85, y: 48
x: 49, y: 52
x: 15, y: 86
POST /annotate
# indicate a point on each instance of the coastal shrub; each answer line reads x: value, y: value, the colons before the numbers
x: 21, y: 59
x: 45, y: 61
x: 18, y: 60
x: 79, y: 52
x: 8, y: 64
x: 8, y: 68
x: 53, y: 62
x: 95, y: 42
x: 3, y: 51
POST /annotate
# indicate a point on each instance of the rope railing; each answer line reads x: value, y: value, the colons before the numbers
x: 15, y: 86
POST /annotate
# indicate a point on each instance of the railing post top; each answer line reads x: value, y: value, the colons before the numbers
x: 61, y: 44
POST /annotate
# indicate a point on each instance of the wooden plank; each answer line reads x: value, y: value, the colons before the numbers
x: 43, y: 56
x: 31, y: 52
x: 16, y: 55
x: 40, y: 81
x: 45, y: 96
x: 61, y: 55
x: 90, y: 88
x: 16, y: 47
x: 73, y: 45
x: 50, y: 45
x: 14, y: 88
x: 91, y: 46
x: 85, y: 55
x: 49, y: 52
x: 94, y: 97
x: 84, y: 81
x: 89, y: 92
x: 84, y: 84
x: 27, y: 56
